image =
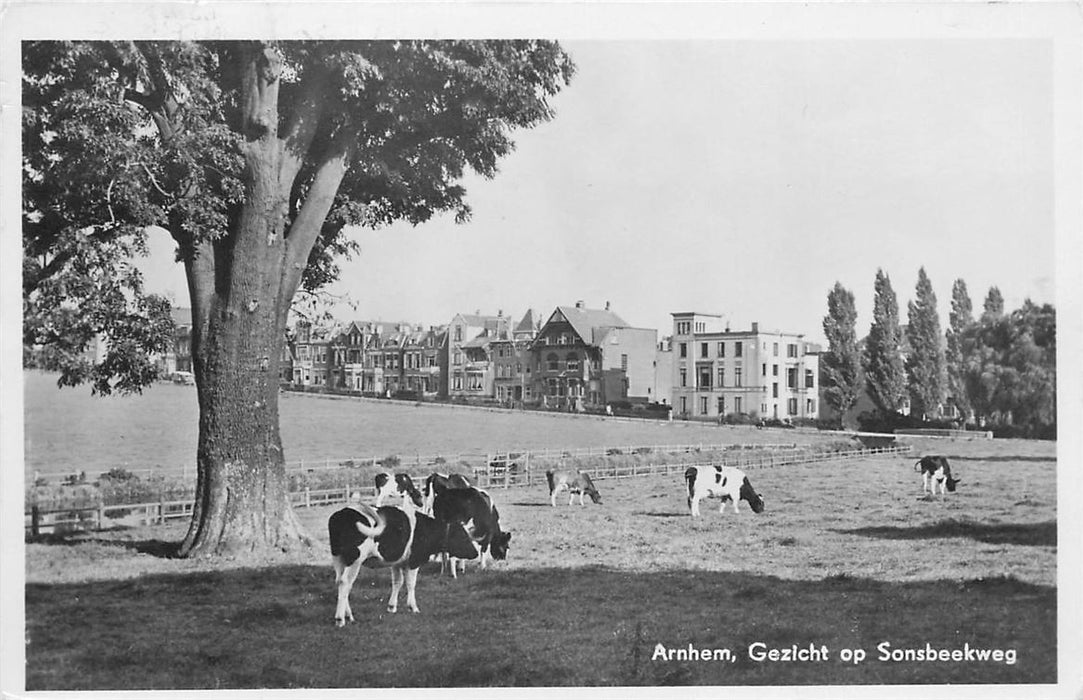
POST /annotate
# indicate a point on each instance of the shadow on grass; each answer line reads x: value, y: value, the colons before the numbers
x: 156, y: 548
x: 1034, y: 534
x: 662, y: 514
x: 272, y: 628
x: 531, y: 504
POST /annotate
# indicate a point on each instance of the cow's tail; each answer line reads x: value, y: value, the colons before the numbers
x: 370, y: 530
x: 549, y: 477
x: 917, y: 466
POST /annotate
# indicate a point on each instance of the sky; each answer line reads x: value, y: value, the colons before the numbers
x: 742, y: 178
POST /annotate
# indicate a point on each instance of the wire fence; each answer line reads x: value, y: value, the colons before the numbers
x: 44, y: 518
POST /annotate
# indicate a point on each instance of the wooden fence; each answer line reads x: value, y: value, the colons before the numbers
x: 496, y: 475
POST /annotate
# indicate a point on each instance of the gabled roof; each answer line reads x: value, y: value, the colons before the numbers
x: 528, y: 324
x: 590, y: 324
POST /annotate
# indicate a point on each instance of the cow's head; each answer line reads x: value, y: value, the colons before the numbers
x: 594, y: 495
x: 749, y: 494
x: 407, y: 488
x: 499, y: 545
x: 951, y: 483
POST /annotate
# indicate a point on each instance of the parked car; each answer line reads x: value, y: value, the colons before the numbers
x: 184, y: 378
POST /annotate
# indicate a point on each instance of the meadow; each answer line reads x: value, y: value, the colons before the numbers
x: 847, y: 555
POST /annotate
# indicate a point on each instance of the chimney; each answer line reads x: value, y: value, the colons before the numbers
x: 607, y: 306
x: 579, y: 304
x: 755, y: 327
x: 500, y: 312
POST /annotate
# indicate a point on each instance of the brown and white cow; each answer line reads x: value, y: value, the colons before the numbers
x: 935, y: 470
x: 437, y: 483
x: 388, y: 537
x: 726, y: 483
x: 575, y: 482
x: 402, y: 484
x: 474, y: 510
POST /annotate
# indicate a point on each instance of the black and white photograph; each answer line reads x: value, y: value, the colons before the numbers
x: 432, y: 347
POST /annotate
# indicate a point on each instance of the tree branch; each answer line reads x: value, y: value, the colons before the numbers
x: 313, y: 212
x: 300, y: 131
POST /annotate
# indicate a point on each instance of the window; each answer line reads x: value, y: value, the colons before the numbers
x: 457, y: 382
x: 737, y: 378
x: 721, y: 405
x: 791, y: 377
x: 776, y: 350
x: 774, y: 370
x: 573, y: 362
x: 792, y: 407
x: 721, y: 377
x: 810, y: 379
x: 721, y: 349
x: 683, y: 327
x: 458, y: 333
x: 552, y: 362
x: 458, y: 358
x: 791, y: 350
x: 703, y: 349
x: 764, y: 370
x: 774, y: 390
x: 700, y: 326
x: 703, y: 405
x: 624, y: 362
x: 737, y: 348
x: 684, y: 405
x: 737, y: 407
x: 763, y: 409
x: 475, y: 382
x: 518, y: 367
x: 705, y: 378
x: 683, y: 349
x: 810, y: 407
x: 684, y: 377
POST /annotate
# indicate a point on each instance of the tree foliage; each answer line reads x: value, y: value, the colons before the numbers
x: 259, y: 159
x: 1010, y: 368
x: 960, y: 319
x: 885, y: 376
x: 841, y: 364
x: 925, y: 366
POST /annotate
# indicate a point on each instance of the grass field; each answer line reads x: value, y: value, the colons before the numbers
x: 847, y: 555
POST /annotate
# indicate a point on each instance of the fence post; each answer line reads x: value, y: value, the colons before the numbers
x: 308, y: 502
x: 101, y: 515
x: 35, y: 521
x: 161, y: 507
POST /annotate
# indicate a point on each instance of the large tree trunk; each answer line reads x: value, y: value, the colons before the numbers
x: 241, y: 286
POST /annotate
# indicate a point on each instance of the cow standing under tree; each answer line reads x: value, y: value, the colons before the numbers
x: 474, y: 510
x: 389, y: 537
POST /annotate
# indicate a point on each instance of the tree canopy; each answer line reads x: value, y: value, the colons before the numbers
x: 885, y: 375
x: 258, y: 158
x: 841, y: 364
x: 925, y: 362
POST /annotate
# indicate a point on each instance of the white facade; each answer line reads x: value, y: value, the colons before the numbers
x: 762, y: 374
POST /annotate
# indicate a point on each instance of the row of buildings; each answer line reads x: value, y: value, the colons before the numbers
x: 575, y: 359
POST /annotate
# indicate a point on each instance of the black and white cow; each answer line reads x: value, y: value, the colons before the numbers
x: 437, y: 483
x: 475, y: 511
x: 935, y: 470
x: 388, y: 537
x: 402, y: 484
x: 575, y: 482
x: 726, y: 483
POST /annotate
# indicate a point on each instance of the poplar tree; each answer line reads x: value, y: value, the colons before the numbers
x: 840, y: 366
x: 925, y: 371
x: 960, y: 319
x: 885, y: 376
x: 994, y: 304
x: 261, y: 159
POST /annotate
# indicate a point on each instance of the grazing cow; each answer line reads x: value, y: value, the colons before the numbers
x: 722, y: 482
x: 575, y: 482
x: 399, y: 538
x: 437, y: 483
x: 474, y: 510
x: 935, y: 470
x: 402, y: 484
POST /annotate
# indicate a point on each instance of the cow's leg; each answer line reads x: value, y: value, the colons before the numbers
x: 925, y: 483
x: 411, y: 584
x: 396, y: 586
x: 344, y: 578
x: 693, y: 504
x: 580, y: 498
x: 553, y: 498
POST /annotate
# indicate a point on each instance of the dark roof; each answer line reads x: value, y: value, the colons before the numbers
x: 527, y: 325
x: 589, y: 324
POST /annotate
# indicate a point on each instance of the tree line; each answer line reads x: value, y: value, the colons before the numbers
x: 997, y: 370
